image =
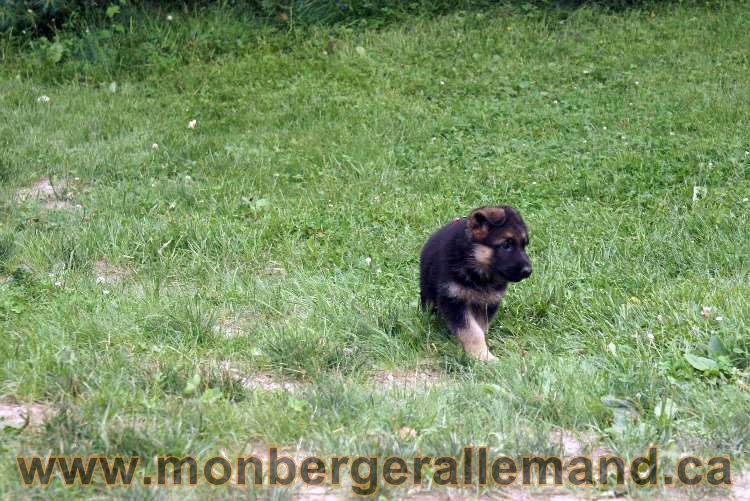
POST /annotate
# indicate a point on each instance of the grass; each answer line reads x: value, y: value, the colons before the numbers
x: 281, y: 235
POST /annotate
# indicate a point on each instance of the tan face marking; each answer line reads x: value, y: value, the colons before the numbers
x: 518, y: 238
x: 483, y: 255
x: 473, y: 296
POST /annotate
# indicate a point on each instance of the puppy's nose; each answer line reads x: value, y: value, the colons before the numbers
x: 526, y: 271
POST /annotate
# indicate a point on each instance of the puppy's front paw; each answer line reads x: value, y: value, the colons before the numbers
x: 486, y: 356
x: 472, y: 339
x: 490, y: 357
x: 479, y: 352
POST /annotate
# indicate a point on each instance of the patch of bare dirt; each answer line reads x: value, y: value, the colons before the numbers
x: 41, y: 190
x: 417, y: 378
x: 515, y: 493
x: 317, y: 493
x: 109, y: 274
x: 301, y: 492
x: 233, y: 326
x: 274, y: 269
x: 50, y: 195
x: 577, y: 443
x: 741, y: 485
x: 18, y: 415
x: 256, y: 380
x: 60, y: 204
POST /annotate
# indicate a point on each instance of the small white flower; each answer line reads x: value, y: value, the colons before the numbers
x: 442, y: 83
x: 637, y: 82
x: 746, y: 199
x: 155, y: 146
x: 555, y: 101
x: 379, y: 270
x: 42, y: 99
x: 169, y: 17
x: 188, y: 178
x: 650, y: 336
x: 192, y: 124
x: 671, y: 133
x: 50, y: 275
x: 105, y: 292
x: 605, y: 127
x: 58, y: 284
x: 368, y: 260
x: 719, y: 319
x: 100, y: 280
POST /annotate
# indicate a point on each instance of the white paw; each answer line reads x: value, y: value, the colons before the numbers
x: 480, y: 353
x: 487, y: 357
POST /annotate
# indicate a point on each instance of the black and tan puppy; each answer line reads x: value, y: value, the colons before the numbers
x: 465, y: 268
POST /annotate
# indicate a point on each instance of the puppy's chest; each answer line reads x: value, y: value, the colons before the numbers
x: 489, y: 296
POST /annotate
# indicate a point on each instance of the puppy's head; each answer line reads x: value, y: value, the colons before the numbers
x: 499, y: 239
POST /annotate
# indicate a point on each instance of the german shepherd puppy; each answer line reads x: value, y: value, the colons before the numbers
x: 465, y: 267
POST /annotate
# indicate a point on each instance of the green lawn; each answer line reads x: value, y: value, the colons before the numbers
x: 254, y: 280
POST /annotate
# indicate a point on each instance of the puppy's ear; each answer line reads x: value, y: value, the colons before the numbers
x: 480, y: 221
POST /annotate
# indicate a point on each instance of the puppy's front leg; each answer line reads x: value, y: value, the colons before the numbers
x: 484, y: 314
x: 464, y: 325
x: 471, y: 336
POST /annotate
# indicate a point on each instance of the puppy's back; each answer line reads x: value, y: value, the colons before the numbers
x: 434, y: 261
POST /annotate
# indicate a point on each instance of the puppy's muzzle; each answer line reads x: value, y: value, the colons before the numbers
x: 525, y: 272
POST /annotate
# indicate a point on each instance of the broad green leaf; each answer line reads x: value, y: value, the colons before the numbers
x: 112, y: 11
x: 715, y: 347
x: 192, y: 385
x: 701, y: 363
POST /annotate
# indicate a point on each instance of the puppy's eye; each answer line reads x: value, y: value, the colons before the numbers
x: 508, y: 244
